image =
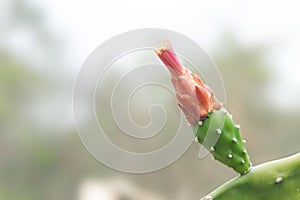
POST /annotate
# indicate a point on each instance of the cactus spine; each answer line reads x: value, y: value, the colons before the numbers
x: 278, y: 179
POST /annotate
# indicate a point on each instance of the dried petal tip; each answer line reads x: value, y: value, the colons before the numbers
x: 195, y: 98
x: 164, y: 46
x: 167, y: 55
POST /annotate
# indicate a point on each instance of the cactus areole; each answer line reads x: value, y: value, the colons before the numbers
x: 212, y: 124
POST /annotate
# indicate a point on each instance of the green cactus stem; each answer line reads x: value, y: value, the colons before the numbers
x: 218, y: 134
x: 278, y: 179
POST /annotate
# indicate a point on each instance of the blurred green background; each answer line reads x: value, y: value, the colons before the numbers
x: 41, y: 156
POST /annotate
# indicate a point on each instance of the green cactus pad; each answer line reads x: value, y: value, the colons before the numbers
x: 278, y: 179
x: 219, y: 135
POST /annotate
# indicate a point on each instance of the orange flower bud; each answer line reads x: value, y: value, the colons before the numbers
x: 195, y: 98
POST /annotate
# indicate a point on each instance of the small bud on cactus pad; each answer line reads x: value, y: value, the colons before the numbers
x: 212, y: 125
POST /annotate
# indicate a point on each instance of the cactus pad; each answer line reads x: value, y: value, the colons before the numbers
x: 278, y: 179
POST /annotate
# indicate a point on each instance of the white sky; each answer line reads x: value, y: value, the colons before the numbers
x: 88, y: 23
x: 85, y: 24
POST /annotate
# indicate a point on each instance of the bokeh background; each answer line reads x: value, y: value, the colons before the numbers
x: 255, y: 44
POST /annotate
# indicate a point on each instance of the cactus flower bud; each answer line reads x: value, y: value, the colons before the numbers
x: 194, y: 97
x: 213, y: 127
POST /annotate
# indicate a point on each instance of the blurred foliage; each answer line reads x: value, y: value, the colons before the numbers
x: 246, y: 74
x: 41, y: 162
